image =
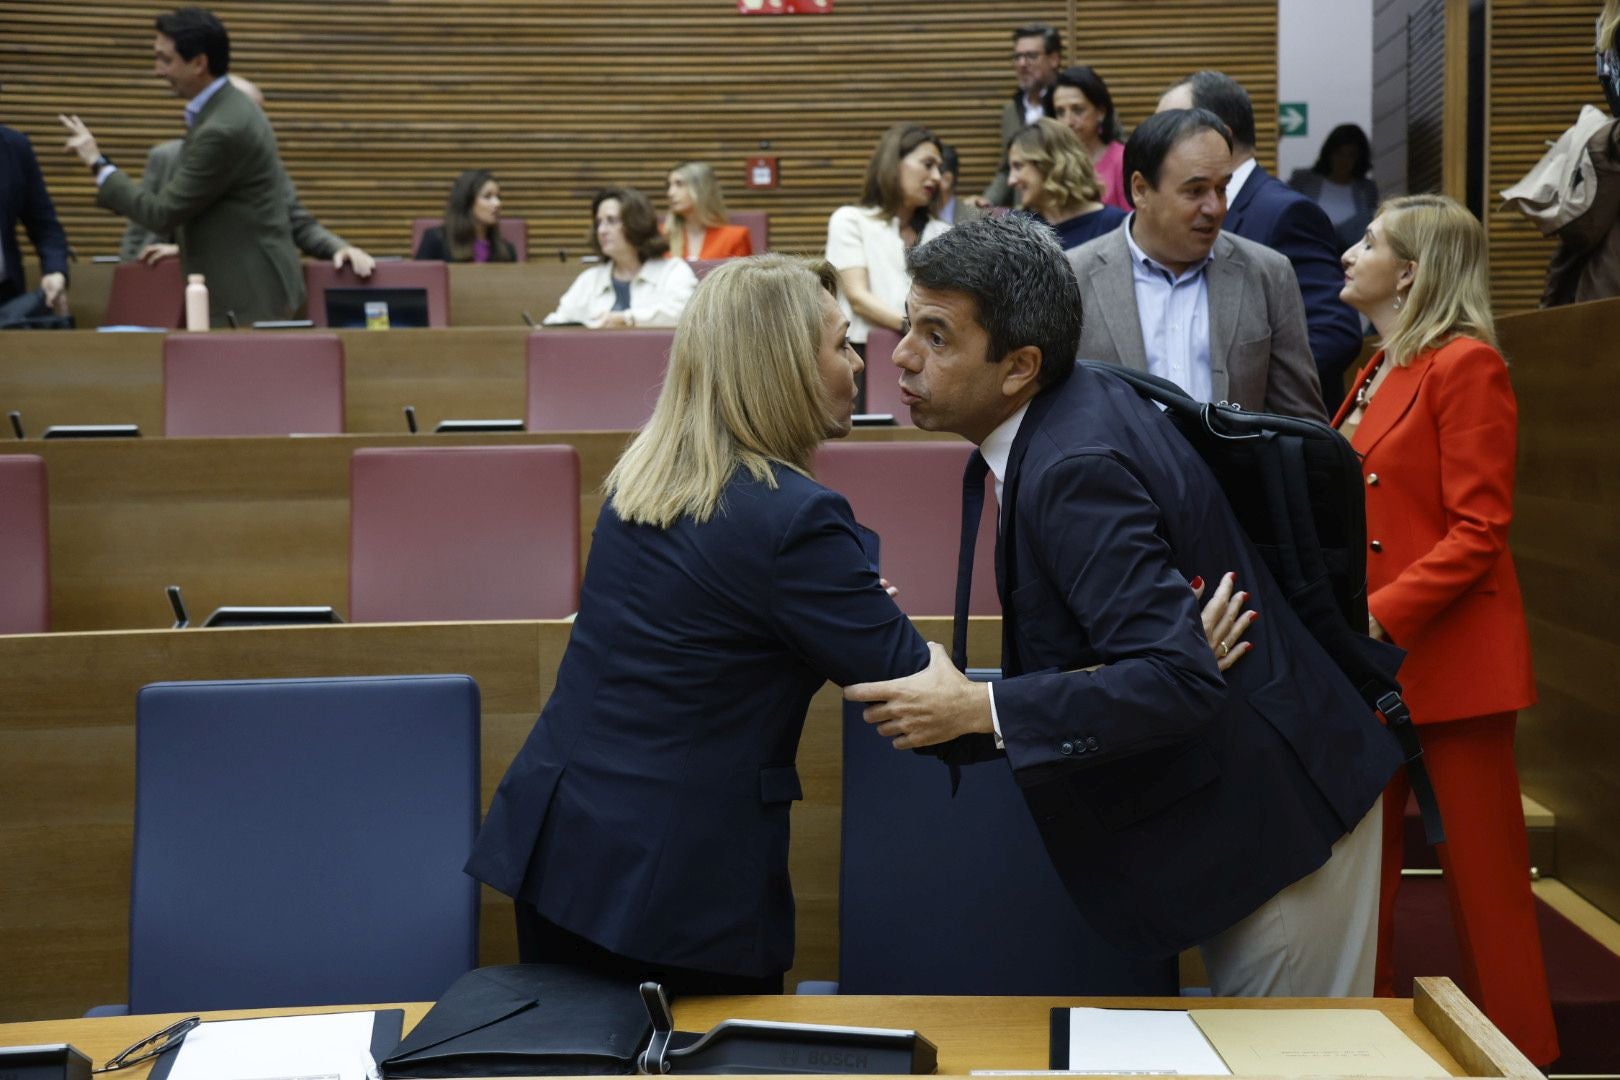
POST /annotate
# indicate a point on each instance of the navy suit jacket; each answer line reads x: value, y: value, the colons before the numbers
x: 1270, y: 212
x: 648, y: 810
x: 23, y: 198
x: 1172, y: 801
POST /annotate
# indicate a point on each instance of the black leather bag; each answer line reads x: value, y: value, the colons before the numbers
x: 30, y: 312
x: 527, y: 1020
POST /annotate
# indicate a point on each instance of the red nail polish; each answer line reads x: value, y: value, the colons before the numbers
x: 1197, y: 582
x: 1254, y: 618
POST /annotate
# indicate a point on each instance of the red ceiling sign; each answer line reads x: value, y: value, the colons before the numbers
x: 784, y: 7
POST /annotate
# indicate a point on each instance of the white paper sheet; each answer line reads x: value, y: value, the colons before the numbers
x: 1140, y: 1041
x: 320, y: 1046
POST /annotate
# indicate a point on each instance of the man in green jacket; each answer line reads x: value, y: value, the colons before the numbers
x: 309, y: 235
x: 225, y: 199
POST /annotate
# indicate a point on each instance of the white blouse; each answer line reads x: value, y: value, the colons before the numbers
x: 658, y: 294
x: 860, y: 237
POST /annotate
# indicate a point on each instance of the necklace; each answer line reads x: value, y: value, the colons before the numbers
x: 1364, y: 392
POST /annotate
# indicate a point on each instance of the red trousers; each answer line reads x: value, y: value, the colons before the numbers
x: 1486, y: 859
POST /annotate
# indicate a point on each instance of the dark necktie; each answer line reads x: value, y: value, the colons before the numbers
x: 972, y: 510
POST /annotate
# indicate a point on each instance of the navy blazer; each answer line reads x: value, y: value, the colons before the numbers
x: 1173, y: 802
x: 1270, y: 212
x: 648, y: 810
x: 23, y: 198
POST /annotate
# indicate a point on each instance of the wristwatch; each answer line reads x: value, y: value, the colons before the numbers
x: 102, y: 160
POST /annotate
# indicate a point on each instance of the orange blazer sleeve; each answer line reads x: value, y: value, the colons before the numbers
x: 726, y: 242
x: 1474, y: 415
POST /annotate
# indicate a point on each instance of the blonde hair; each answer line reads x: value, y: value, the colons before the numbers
x: 743, y: 390
x: 1450, y: 295
x: 708, y: 205
x: 1068, y: 179
x: 1607, y: 25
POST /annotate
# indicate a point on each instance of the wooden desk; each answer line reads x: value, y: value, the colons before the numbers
x: 971, y: 1033
x: 491, y: 294
x: 67, y: 782
x: 235, y: 521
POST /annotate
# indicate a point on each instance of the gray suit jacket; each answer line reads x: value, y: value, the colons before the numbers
x: 310, y: 236
x: 1259, y: 354
x: 225, y: 199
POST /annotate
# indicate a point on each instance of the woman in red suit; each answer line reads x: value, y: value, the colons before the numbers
x: 697, y: 226
x: 1434, y: 419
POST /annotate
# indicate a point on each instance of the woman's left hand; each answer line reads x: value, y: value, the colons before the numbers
x: 1225, y: 620
x: 613, y: 320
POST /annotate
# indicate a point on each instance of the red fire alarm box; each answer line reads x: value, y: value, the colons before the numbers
x: 761, y: 172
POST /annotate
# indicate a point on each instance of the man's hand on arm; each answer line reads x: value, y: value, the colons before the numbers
x: 152, y: 254
x: 934, y: 706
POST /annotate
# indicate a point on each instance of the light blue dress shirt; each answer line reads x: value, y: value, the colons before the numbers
x: 1174, y: 311
x: 195, y: 105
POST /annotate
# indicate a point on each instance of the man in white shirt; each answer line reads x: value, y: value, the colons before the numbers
x: 1037, y: 57
x: 1174, y: 295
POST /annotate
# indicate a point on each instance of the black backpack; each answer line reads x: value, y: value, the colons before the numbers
x: 1296, y: 487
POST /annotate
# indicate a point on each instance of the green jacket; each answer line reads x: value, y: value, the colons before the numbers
x: 309, y: 235
x: 225, y: 201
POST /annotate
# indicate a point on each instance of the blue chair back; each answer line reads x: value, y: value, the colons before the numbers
x: 942, y: 895
x: 300, y: 842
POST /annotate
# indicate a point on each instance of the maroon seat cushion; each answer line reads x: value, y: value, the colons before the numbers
x: 25, y: 550
x: 252, y: 384
x: 595, y: 380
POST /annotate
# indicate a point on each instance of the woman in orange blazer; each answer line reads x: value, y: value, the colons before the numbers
x: 1434, y: 419
x: 696, y: 225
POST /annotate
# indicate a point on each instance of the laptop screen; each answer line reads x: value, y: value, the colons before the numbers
x: 376, y: 309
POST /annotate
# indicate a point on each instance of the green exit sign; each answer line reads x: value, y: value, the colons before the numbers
x: 1294, y: 118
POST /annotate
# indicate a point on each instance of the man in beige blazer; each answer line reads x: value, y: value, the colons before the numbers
x: 225, y: 199
x: 1168, y: 292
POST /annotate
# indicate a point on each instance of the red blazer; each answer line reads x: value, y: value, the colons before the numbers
x: 726, y: 242
x: 1438, y: 443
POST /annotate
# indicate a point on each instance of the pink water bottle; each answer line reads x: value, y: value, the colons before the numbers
x: 196, y: 303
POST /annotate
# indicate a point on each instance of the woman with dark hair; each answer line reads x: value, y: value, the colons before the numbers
x: 1051, y: 178
x: 472, y: 223
x: 1338, y: 182
x: 867, y: 243
x: 634, y: 284
x: 1082, y: 102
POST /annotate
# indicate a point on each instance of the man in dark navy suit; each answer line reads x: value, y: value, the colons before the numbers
x: 1180, y: 808
x: 23, y: 199
x: 1261, y: 208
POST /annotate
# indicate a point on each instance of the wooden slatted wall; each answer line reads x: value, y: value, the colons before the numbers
x: 378, y: 104
x: 1540, y: 72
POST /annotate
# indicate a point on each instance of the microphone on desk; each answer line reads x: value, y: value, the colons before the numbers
x: 410, y: 418
x: 182, y: 618
x: 230, y: 317
x: 16, y: 423
x: 528, y: 318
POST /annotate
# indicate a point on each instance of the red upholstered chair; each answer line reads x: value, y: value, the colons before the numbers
x: 882, y: 377
x: 595, y: 380
x: 463, y: 532
x: 910, y: 494
x: 146, y: 295
x: 25, y: 549
x: 759, y: 227
x: 252, y: 384
x: 432, y: 275
x: 514, y: 230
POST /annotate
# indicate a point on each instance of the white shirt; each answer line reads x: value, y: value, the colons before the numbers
x: 1240, y: 176
x: 1174, y: 313
x: 1033, y: 112
x: 997, y: 448
x: 859, y: 237
x: 658, y: 294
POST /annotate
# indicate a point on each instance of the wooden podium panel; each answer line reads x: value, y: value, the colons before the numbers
x: 481, y: 294
x: 67, y: 776
x: 1566, y: 545
x: 237, y: 521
